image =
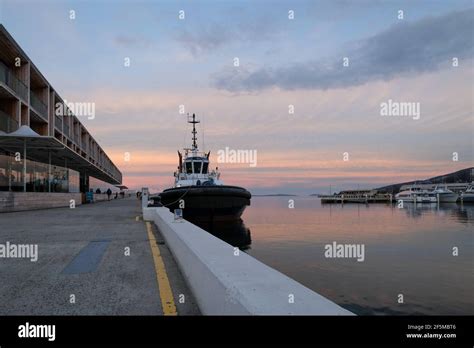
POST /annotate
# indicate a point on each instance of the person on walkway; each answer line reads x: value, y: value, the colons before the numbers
x: 109, y: 193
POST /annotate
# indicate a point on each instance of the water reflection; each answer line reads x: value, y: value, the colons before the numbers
x: 408, y: 250
x: 462, y: 213
x: 233, y: 232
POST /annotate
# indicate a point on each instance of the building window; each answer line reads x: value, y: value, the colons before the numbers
x: 37, y: 176
x: 11, y: 177
x: 74, y: 181
x: 59, y: 179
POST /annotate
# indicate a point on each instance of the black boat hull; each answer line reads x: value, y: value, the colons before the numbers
x: 207, y: 203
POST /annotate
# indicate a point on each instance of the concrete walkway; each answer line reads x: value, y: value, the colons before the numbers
x: 82, y: 266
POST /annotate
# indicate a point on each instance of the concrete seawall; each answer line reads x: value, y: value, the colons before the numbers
x: 227, y: 281
x: 20, y: 201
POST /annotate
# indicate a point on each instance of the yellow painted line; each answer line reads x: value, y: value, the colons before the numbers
x: 166, y: 295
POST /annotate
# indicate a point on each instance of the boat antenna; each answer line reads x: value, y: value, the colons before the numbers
x: 184, y: 134
x: 202, y: 131
x: 194, y: 130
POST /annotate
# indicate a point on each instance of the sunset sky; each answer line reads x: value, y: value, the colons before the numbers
x: 282, y: 62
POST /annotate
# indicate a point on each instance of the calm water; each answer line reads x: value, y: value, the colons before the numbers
x: 407, y: 251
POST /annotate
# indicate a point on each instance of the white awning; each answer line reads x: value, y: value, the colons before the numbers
x: 23, y: 131
x: 38, y: 148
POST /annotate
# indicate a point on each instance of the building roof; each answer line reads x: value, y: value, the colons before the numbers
x: 39, y: 147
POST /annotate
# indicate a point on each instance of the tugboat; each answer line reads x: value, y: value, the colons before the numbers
x: 199, y: 192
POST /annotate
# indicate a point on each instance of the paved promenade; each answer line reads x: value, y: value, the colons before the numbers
x: 95, y: 259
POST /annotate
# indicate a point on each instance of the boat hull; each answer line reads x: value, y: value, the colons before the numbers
x: 426, y: 200
x: 207, y: 203
x: 448, y: 198
x: 468, y: 198
x: 417, y: 199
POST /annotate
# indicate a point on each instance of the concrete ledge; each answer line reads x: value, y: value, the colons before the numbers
x: 226, y: 284
x: 149, y: 214
x: 100, y: 197
x: 19, y: 201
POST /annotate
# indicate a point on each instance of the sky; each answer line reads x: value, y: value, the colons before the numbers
x: 335, y: 138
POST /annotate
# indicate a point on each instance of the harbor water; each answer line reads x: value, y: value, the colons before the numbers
x: 410, y: 265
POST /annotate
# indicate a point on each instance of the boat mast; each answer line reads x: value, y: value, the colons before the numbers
x: 194, y: 131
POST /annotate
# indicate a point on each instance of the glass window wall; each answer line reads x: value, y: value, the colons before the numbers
x: 37, y: 178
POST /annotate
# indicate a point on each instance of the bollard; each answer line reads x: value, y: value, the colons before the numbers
x: 145, y: 197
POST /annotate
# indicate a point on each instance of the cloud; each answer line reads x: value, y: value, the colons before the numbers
x: 301, y: 169
x: 212, y: 36
x: 306, y: 147
x: 207, y: 38
x: 320, y: 118
x: 404, y: 48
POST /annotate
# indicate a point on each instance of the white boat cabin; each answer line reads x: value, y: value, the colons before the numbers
x: 193, y: 170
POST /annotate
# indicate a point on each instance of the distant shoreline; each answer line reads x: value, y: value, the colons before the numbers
x: 276, y: 195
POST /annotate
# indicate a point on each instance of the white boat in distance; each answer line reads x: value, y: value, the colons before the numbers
x: 416, y: 195
x: 445, y: 195
x: 468, y: 195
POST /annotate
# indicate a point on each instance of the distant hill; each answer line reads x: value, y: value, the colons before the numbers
x: 463, y: 175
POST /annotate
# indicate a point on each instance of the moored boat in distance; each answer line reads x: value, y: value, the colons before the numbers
x: 416, y: 195
x: 199, y: 192
x: 468, y: 195
x: 426, y: 197
x: 357, y: 196
x: 444, y: 195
